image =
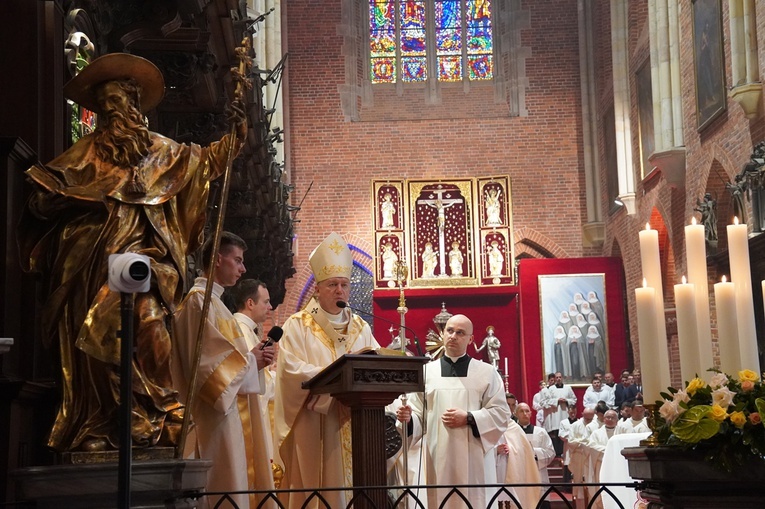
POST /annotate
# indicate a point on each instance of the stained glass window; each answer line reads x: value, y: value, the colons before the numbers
x: 458, y: 45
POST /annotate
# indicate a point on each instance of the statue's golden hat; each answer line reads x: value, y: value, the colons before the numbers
x: 113, y: 67
x: 331, y: 258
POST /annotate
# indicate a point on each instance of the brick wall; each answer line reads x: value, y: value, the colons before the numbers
x: 542, y: 152
x: 720, y: 149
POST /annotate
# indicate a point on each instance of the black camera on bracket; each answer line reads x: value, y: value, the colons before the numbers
x: 129, y: 273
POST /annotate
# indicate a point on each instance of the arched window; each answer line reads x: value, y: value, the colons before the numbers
x: 410, y: 39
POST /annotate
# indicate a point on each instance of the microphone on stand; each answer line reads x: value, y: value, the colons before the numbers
x: 274, y: 335
x: 342, y: 305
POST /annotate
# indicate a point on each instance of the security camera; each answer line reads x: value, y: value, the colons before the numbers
x: 129, y: 273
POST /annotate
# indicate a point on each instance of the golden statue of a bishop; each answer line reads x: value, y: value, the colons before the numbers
x: 119, y: 189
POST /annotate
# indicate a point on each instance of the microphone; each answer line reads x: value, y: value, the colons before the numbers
x: 342, y: 305
x: 274, y: 335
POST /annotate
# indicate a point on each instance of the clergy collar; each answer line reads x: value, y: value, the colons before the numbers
x: 529, y: 430
x: 246, y: 320
x: 458, y: 368
x: 339, y: 321
x: 217, y: 289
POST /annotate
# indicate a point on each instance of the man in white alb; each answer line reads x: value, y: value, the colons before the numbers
x: 465, y: 416
x: 559, y: 398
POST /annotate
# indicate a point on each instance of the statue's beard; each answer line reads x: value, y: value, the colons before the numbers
x: 123, y: 140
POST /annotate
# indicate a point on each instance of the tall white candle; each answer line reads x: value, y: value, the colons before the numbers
x: 506, y: 366
x: 648, y: 342
x: 696, y: 256
x: 741, y: 276
x: 649, y: 258
x: 727, y: 328
x: 687, y: 334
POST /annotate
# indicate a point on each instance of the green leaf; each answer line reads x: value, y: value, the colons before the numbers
x: 760, y: 404
x: 693, y: 425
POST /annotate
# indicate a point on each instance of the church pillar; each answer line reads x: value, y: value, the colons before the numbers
x: 664, y: 28
x: 593, y: 230
x: 622, y: 104
x: 745, y: 68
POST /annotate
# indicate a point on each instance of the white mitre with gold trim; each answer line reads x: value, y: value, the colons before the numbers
x: 331, y: 258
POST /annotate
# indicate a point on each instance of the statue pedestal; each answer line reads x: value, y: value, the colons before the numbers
x: 94, y: 485
x: 678, y: 479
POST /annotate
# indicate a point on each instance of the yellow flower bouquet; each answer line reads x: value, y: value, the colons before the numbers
x: 722, y: 419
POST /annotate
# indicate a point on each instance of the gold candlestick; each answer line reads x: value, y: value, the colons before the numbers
x: 653, y: 424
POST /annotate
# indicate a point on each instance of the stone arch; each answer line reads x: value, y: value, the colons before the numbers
x: 534, y: 243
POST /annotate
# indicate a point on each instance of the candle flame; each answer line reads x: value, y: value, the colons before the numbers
x: 683, y: 280
x: 735, y: 219
x: 645, y: 282
x: 693, y: 221
x: 724, y: 279
x: 647, y: 226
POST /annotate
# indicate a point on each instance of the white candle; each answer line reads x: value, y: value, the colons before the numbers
x: 687, y: 334
x: 741, y: 276
x: 649, y: 258
x: 727, y: 327
x: 696, y: 256
x: 506, y: 366
x: 648, y: 342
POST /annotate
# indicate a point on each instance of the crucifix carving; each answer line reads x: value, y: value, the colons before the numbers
x: 440, y: 203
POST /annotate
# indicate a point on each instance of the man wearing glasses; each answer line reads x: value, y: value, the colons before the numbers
x: 465, y: 415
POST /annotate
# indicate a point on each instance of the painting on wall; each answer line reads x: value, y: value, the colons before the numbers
x: 574, y: 325
x: 708, y: 61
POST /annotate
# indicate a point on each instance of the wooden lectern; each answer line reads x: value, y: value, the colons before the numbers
x: 366, y: 383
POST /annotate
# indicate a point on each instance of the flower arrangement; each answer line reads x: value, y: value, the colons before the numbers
x: 722, y: 419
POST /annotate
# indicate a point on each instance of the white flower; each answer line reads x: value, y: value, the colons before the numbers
x: 670, y: 410
x: 718, y: 380
x: 723, y: 397
x: 681, y: 396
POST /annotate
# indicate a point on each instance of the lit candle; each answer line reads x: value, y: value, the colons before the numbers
x: 696, y: 256
x: 687, y: 334
x: 741, y: 276
x: 649, y: 258
x: 727, y: 328
x: 648, y: 342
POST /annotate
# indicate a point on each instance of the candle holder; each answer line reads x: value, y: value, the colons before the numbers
x: 653, y: 420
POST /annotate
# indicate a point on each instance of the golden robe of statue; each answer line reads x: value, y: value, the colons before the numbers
x: 99, y: 198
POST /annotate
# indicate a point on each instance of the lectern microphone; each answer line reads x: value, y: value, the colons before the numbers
x: 342, y: 305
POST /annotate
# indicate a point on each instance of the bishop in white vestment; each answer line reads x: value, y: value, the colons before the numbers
x: 313, y: 433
